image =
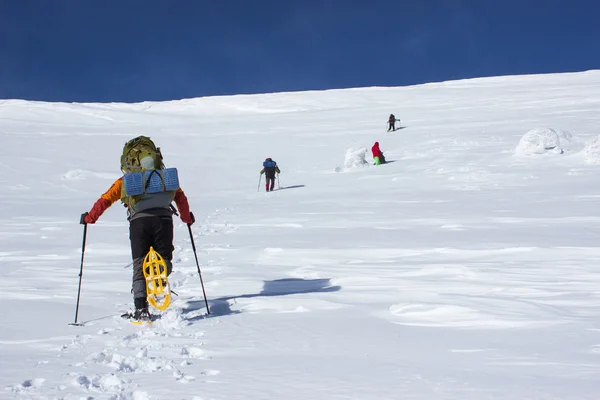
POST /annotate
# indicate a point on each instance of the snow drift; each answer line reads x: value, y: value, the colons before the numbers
x: 591, y: 151
x: 539, y: 141
x: 355, y: 158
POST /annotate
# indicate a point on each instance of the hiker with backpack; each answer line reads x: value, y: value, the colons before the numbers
x: 269, y: 169
x: 392, y: 123
x: 149, y: 210
x: 377, y: 154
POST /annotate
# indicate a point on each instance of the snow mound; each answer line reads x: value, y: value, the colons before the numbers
x: 355, y: 158
x: 591, y: 151
x: 541, y: 141
x: 564, y: 136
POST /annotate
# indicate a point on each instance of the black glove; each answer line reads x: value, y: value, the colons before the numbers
x: 189, y: 220
x: 82, y: 219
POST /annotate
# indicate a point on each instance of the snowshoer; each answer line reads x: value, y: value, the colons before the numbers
x: 392, y: 123
x: 149, y: 213
x: 377, y: 154
x: 269, y: 169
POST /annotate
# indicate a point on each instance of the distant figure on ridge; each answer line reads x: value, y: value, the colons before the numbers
x: 392, y: 123
x: 377, y: 154
x: 269, y: 169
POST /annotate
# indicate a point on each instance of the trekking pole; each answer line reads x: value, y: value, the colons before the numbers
x: 81, y: 221
x: 259, y: 179
x: 278, y: 186
x: 197, y: 263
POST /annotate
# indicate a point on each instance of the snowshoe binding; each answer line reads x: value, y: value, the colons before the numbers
x: 141, y: 316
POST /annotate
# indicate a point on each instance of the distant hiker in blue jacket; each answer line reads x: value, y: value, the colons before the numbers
x: 269, y: 169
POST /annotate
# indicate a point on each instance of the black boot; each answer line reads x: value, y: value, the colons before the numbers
x: 141, y: 314
x: 141, y: 309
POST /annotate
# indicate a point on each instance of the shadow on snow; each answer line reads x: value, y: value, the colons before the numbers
x: 290, y: 187
x: 279, y: 287
x: 387, y: 162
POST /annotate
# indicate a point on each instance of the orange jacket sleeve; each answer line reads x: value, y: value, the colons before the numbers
x: 106, y: 200
x: 183, y: 207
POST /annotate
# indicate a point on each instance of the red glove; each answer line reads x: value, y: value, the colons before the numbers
x: 183, y: 207
x: 99, y: 207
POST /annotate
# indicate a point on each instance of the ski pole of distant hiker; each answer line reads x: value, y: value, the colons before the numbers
x: 197, y: 263
x: 259, y: 179
x: 81, y: 221
x: 278, y: 186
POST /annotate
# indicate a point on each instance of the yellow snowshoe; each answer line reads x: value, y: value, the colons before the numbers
x: 157, y: 282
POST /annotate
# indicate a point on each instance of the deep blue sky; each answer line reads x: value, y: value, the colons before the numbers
x: 126, y: 50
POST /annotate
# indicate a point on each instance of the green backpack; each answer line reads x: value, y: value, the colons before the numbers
x: 140, y: 154
x: 138, y: 149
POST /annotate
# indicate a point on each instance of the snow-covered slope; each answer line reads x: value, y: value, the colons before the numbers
x: 467, y: 268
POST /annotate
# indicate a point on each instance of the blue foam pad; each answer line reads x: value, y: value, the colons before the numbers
x: 137, y: 183
x: 171, y: 178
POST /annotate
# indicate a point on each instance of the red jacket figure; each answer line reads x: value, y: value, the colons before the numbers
x: 377, y: 154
